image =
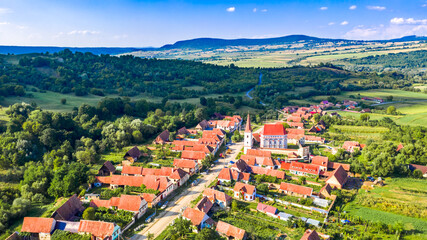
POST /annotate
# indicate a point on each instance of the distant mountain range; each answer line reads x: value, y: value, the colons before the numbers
x: 198, y: 43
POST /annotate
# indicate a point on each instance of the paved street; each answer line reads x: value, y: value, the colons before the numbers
x: 161, y: 222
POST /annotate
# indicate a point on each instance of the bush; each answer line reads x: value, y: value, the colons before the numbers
x: 63, y: 101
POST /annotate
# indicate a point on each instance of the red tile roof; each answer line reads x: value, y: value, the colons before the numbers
x: 207, y: 141
x: 340, y: 175
x: 246, y: 188
x: 230, y: 230
x: 321, y: 161
x: 294, y: 119
x: 120, y: 180
x: 296, y: 189
x: 149, y: 197
x: 178, y: 174
x: 422, y: 168
x: 204, y: 205
x: 399, y: 147
x: 256, y: 137
x: 285, y: 165
x: 273, y: 129
x: 349, y: 145
x: 270, y: 172
x: 266, y: 208
x: 310, y: 235
x: 228, y: 174
x: 295, y: 124
x: 37, y: 225
x: 213, y: 194
x: 97, y: 228
x: 194, y: 215
x: 124, y: 202
x: 184, y: 143
x: 159, y: 183
x: 131, y: 170
x: 295, y: 131
x: 335, y: 165
x: 258, y: 153
x: 193, y: 155
x: 184, y: 163
x: 212, y: 135
x: 314, y: 138
x: 304, y: 167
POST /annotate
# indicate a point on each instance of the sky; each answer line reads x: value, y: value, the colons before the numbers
x: 139, y: 23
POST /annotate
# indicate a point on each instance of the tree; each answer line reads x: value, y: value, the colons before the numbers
x: 181, y: 227
x: 89, y: 213
x: 203, y: 101
x: 316, y: 117
x: 389, y: 98
x: 150, y: 236
x: 391, y: 110
x: 417, y: 174
x: 207, y: 234
x: 365, y: 117
x: 263, y: 188
x: 234, y: 206
x: 63, y: 101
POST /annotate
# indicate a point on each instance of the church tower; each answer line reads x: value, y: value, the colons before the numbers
x: 248, y: 136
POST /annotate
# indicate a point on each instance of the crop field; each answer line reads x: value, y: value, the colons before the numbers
x: 360, y: 133
x: 411, y: 193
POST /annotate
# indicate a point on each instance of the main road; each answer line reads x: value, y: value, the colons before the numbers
x: 184, y: 199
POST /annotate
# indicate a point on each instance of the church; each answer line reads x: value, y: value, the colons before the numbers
x: 272, y: 136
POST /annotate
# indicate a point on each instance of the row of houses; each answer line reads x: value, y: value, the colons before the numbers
x: 226, y: 123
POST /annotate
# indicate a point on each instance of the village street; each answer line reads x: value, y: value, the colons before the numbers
x: 162, y: 221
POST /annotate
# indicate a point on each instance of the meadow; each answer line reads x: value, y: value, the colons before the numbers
x: 358, y: 133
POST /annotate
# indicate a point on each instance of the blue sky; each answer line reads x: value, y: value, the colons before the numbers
x: 135, y: 23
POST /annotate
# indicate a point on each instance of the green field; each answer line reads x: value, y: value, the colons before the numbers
x: 400, y: 190
x: 359, y: 133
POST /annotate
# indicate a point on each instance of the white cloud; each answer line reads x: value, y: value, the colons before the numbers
x: 398, y: 27
x: 331, y: 23
x: 82, y: 32
x: 254, y: 10
x: 5, y: 10
x: 231, y: 9
x: 344, y: 23
x: 408, y: 21
x: 352, y: 7
x: 323, y: 8
x: 377, y: 8
x: 4, y: 23
x: 264, y: 10
x: 120, y: 36
x: 424, y: 5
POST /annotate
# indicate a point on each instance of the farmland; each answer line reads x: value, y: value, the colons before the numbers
x: 409, y: 193
x: 361, y: 133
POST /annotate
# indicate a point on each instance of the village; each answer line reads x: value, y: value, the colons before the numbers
x: 269, y: 170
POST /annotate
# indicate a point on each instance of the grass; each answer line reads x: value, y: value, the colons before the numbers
x: 404, y: 190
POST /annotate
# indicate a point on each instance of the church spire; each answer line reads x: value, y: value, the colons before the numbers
x: 248, y: 125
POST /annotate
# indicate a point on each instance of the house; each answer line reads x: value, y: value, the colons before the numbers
x: 198, y: 218
x: 179, y: 177
x: 193, y: 155
x: 245, y: 191
x: 293, y: 189
x: 100, y: 230
x: 230, y: 231
x: 313, y: 139
x: 107, y: 169
x: 133, y: 154
x: 273, y: 136
x: 258, y: 153
x: 190, y: 166
x: 422, y: 168
x: 204, y: 205
x: 152, y: 199
x: 184, y: 143
x: 202, y: 125
x: 162, y: 138
x: 285, y: 165
x: 240, y: 166
x: 298, y: 125
x: 325, y: 191
x: 218, y: 197
x: 315, y: 129
x: 14, y: 236
x: 228, y: 175
x: 293, y: 119
x: 69, y: 210
x: 269, y: 172
x: 295, y: 131
x: 183, y: 131
x: 304, y: 169
x: 269, y: 210
x: 320, y: 161
x: 366, y: 110
x: 290, y: 109
x: 131, y: 203
x: 351, y: 146
x: 91, y: 196
x: 131, y: 171
x: 310, y: 235
x: 338, y: 178
x: 39, y: 228
x: 335, y: 165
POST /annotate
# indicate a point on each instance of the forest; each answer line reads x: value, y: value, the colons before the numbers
x: 402, y: 60
x: 102, y: 75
